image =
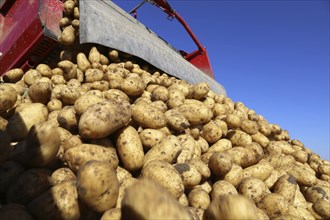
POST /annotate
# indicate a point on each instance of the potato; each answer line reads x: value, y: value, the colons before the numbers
x: 315, y: 193
x: 13, y: 75
x: 3, y: 124
x: 69, y: 95
x: 261, y: 170
x: 168, y: 150
x: 222, y: 188
x: 24, y: 189
x: 85, y: 101
x: 260, y: 139
x: 211, y: 132
x: 200, y: 90
x: 273, y: 204
x: 302, y: 175
x: 115, y: 94
x: 176, y: 120
x: 60, y: 202
x: 40, y: 148
x: 202, y: 168
x: 103, y: 118
x: 151, y: 137
x: 322, y: 208
x: 271, y: 180
x: 231, y: 207
x: 202, y: 144
x: 129, y: 148
x: 163, y: 173
x: 100, y: 85
x: 160, y: 93
x: 133, y: 86
x: 220, y: 164
x: 299, y: 212
x: 40, y: 92
x: 124, y: 184
x: 198, y: 198
x: 243, y: 156
x: 68, y: 35
x: 97, y: 185
x: 250, y: 127
x: 69, y: 69
x: 82, y: 62
x: 94, y: 55
x: 233, y: 121
x: 138, y: 203
x: 235, y: 175
x: 189, y: 174
x: 44, y: 70
x: 14, y: 211
x: 8, y: 97
x: 324, y: 169
x: 220, y: 146
x: 253, y: 188
x: 197, y: 113
x: 239, y: 138
x: 77, y: 156
x: 286, y: 186
x: 113, y: 214
x: 31, y: 76
x: 61, y: 175
x: 148, y: 116
x: 188, y: 145
x: 122, y: 174
x: 9, y: 173
x: 67, y: 119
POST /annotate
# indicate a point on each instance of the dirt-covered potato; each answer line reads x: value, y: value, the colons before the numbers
x: 196, y: 112
x: 199, y: 198
x: 168, y: 150
x: 63, y: 196
x: 235, y: 175
x: 31, y: 76
x: 176, y: 120
x: 222, y: 188
x: 261, y: 170
x: 163, y: 173
x: 148, y: 116
x: 189, y: 174
x: 67, y: 118
x: 220, y: 164
x: 69, y: 69
x: 61, y: 175
x: 8, y: 97
x: 113, y: 214
x: 103, y: 118
x: 68, y: 35
x: 40, y: 148
x: 231, y: 207
x: 286, y: 186
x: 200, y: 90
x: 211, y: 132
x: 151, y: 137
x: 273, y: 204
x: 139, y: 203
x: 130, y: 149
x: 77, y: 156
x: 97, y: 185
x: 253, y: 188
x: 13, y: 75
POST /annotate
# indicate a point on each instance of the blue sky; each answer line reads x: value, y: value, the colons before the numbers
x: 271, y: 55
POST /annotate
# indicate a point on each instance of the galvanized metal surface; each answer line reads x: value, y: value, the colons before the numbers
x: 104, y: 23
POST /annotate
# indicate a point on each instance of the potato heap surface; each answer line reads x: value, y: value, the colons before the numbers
x: 101, y: 135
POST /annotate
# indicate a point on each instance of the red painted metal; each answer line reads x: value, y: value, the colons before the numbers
x: 198, y: 58
x: 28, y: 32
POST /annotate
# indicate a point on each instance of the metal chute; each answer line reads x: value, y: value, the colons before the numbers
x: 103, y: 22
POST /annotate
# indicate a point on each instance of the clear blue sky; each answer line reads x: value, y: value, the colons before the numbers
x: 271, y: 55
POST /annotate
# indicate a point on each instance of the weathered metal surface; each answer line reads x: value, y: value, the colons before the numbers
x: 104, y: 23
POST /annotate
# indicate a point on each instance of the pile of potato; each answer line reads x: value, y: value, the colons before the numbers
x: 102, y: 136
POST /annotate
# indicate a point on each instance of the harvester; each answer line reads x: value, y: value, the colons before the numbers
x: 29, y: 32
